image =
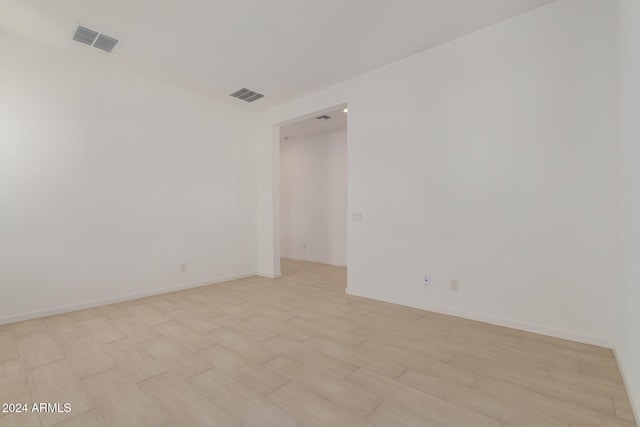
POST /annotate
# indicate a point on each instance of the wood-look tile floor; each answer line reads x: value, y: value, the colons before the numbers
x: 297, y: 351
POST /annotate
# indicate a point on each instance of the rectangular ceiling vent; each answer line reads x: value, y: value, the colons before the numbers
x: 247, y: 95
x: 85, y: 35
x: 95, y: 39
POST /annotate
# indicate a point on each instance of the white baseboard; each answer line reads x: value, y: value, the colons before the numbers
x: 317, y: 261
x: 514, y: 324
x: 113, y: 300
x: 269, y: 276
x: 627, y: 386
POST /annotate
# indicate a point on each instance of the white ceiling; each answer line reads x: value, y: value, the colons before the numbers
x: 281, y: 48
x: 313, y: 125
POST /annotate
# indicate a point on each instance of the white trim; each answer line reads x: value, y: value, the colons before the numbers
x: 627, y: 386
x: 317, y: 261
x: 113, y: 300
x: 514, y: 324
x: 269, y: 276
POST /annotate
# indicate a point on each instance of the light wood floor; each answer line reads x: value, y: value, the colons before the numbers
x: 297, y: 351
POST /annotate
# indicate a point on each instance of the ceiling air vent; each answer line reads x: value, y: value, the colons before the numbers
x: 105, y: 43
x: 95, y: 39
x: 85, y: 35
x: 247, y: 95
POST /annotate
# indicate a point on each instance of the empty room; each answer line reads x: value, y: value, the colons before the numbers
x: 337, y: 213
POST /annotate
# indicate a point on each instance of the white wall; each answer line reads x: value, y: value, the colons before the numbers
x: 627, y: 340
x: 313, y: 198
x: 489, y: 159
x: 108, y: 182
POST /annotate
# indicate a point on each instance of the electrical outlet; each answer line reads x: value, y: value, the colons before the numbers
x: 183, y: 267
x: 426, y: 280
x: 455, y: 285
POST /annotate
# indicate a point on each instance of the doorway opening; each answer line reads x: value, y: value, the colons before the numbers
x: 313, y: 191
